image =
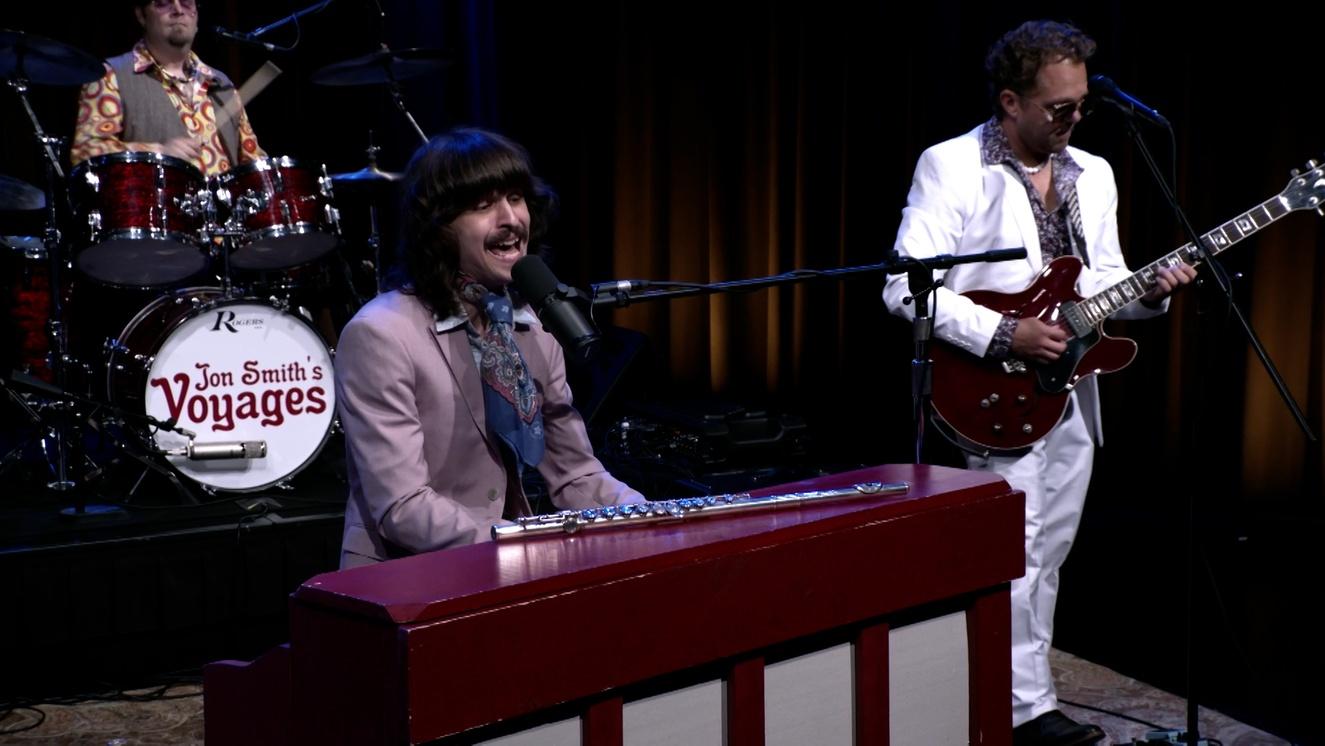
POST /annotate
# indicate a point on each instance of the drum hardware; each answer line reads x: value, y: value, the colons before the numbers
x: 372, y: 179
x: 24, y: 59
x: 58, y: 413
x: 385, y: 67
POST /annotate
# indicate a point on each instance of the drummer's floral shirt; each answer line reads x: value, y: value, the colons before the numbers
x: 101, y: 115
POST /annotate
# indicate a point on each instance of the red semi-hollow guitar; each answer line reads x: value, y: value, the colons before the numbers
x: 1010, y: 404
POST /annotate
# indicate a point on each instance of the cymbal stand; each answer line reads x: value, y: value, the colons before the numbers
x: 56, y: 332
x: 374, y: 231
x: 393, y: 86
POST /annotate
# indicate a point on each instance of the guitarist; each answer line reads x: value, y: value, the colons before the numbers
x: 1013, y: 181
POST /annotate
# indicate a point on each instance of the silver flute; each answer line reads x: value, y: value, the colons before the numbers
x: 634, y: 514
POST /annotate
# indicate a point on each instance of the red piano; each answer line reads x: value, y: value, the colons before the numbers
x: 879, y: 619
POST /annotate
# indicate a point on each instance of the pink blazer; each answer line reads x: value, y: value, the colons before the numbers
x: 424, y: 473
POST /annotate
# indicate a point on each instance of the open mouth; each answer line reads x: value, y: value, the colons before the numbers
x: 506, y: 247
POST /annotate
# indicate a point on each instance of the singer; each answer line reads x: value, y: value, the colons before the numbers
x: 447, y: 391
x: 1014, y: 181
x: 160, y: 97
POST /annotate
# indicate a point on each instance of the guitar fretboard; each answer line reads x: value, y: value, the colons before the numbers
x: 1100, y: 306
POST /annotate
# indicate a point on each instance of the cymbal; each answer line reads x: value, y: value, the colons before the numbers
x: 382, y: 66
x: 45, y: 61
x: 369, y: 175
x: 16, y: 194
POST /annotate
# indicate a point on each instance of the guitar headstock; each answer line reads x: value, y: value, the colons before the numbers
x: 1306, y: 190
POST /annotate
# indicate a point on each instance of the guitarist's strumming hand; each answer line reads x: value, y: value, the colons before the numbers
x: 1038, y: 341
x: 1166, y: 281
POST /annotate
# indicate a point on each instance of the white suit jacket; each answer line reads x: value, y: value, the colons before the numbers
x: 960, y: 205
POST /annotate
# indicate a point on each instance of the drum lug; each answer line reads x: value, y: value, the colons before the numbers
x: 113, y: 346
x: 94, y: 220
x: 333, y: 218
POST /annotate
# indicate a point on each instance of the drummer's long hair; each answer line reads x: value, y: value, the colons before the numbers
x: 447, y: 176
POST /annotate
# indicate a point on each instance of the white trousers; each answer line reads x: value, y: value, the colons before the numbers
x: 1054, y: 475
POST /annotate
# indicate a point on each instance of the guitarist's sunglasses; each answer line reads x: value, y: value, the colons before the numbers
x: 1062, y: 113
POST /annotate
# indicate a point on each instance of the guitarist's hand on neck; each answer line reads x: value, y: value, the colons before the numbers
x: 1038, y: 341
x: 1166, y: 281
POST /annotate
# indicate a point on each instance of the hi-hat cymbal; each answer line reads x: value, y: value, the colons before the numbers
x: 45, y: 61
x: 382, y: 66
x: 16, y: 194
x: 369, y: 175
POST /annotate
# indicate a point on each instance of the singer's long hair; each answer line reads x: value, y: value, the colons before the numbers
x: 447, y: 176
x: 1016, y: 58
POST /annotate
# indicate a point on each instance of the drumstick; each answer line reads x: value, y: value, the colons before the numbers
x: 247, y: 92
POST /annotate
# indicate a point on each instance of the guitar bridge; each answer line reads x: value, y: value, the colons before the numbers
x: 1013, y: 366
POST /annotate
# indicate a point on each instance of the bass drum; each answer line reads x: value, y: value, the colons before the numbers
x: 227, y: 369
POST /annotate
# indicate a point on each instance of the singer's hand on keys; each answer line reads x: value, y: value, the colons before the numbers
x: 182, y: 147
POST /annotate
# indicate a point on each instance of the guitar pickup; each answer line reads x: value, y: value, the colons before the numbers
x: 1076, y: 319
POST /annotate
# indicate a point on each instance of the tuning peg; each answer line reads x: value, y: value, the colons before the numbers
x: 1312, y: 163
x: 1320, y: 211
x: 1294, y: 172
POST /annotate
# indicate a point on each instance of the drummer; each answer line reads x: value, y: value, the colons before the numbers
x: 160, y: 97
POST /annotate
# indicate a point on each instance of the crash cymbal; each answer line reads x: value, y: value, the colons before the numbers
x: 16, y: 194
x: 45, y: 61
x: 369, y: 175
x: 382, y: 66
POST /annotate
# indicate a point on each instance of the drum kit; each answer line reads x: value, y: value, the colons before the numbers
x: 225, y: 383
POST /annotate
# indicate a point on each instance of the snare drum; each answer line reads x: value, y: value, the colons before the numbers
x: 286, y: 210
x: 229, y: 370
x: 143, y: 213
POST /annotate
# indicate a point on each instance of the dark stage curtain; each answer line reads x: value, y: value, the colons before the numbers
x: 711, y: 141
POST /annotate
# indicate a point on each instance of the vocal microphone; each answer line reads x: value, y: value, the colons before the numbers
x: 242, y: 38
x: 1106, y: 90
x: 246, y: 449
x: 552, y: 303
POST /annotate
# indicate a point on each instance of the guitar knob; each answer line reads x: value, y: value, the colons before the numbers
x: 993, y: 398
x: 998, y: 428
x: 984, y: 403
x: 1027, y: 428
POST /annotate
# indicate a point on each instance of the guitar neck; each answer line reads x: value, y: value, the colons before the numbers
x: 1100, y: 306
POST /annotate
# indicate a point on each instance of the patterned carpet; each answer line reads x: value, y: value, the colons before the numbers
x: 179, y: 720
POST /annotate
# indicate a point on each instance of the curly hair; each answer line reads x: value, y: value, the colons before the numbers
x: 1014, y: 60
x: 445, y: 177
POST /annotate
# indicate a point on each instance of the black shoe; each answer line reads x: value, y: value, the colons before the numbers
x: 1053, y: 728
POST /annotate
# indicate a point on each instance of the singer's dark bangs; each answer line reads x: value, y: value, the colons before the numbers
x: 450, y: 174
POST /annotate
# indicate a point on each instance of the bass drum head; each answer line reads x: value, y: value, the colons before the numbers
x: 241, y: 370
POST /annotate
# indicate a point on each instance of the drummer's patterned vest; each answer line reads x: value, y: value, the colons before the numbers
x: 150, y: 117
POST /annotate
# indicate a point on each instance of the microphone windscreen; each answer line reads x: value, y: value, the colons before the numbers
x: 533, y: 279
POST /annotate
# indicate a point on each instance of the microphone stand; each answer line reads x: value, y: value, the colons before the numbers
x: 920, y: 275
x: 1193, y: 733
x: 295, y: 16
